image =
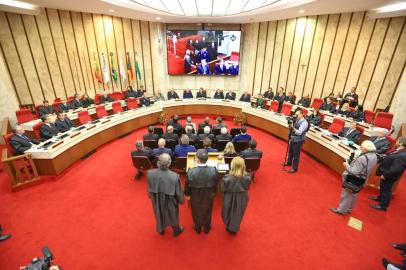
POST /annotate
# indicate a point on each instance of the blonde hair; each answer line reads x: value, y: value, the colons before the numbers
x: 237, y: 167
x: 346, y: 106
x: 229, y: 149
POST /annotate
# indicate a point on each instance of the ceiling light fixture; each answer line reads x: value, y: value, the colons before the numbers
x: 158, y: 18
x: 18, y: 4
x: 111, y: 10
x: 391, y: 8
x: 301, y: 11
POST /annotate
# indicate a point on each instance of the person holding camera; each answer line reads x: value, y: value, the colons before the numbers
x: 354, y: 177
x: 297, y: 136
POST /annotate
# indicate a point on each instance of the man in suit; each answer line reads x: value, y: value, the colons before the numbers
x: 64, y: 106
x: 187, y: 94
x: 203, y: 68
x: 206, y: 123
x: 220, y: 68
x: 161, y: 149
x: 48, y: 130
x: 206, y: 134
x: 169, y: 135
x: 291, y: 98
x: 297, y: 137
x: 269, y: 94
x: 20, y: 142
x: 105, y: 99
x: 304, y: 101
x: 327, y: 106
x: 219, y: 123
x: 233, y: 70
x: 130, y: 93
x: 224, y: 136
x: 202, y: 93
x: 184, y: 148
x: 145, y: 102
x: 351, y: 133
x: 252, y: 151
x: 391, y: 170
x: 260, y: 102
x: 200, y: 187
x: 245, y: 97
x: 172, y: 94
x: 243, y: 136
x: 76, y: 102
x: 381, y: 143
x: 230, y: 95
x: 45, y: 109
x: 192, y: 136
x: 150, y: 136
x: 141, y: 151
x: 351, y: 98
x: 86, y: 100
x: 141, y: 91
x: 207, y: 145
x: 165, y: 191
x: 219, y: 94
x: 63, y: 123
x: 174, y: 122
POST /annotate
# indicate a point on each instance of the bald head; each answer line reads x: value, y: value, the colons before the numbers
x: 164, y: 161
x: 161, y: 143
x: 206, y: 130
x: 19, y: 130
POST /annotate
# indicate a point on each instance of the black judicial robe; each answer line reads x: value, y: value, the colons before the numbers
x: 165, y: 192
x: 200, y: 185
x: 235, y: 200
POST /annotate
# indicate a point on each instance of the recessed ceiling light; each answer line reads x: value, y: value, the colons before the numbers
x: 111, y: 10
x: 301, y: 11
x: 18, y: 4
x: 158, y: 18
x: 391, y: 8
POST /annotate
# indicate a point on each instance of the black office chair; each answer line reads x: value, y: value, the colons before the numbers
x: 221, y: 144
x: 240, y: 146
x: 252, y: 165
x: 171, y: 144
x: 235, y: 131
x: 200, y: 131
x: 159, y: 131
x: 180, y: 164
x: 178, y: 131
x: 151, y: 143
x: 142, y: 164
x: 216, y: 131
x: 228, y: 160
x: 199, y: 144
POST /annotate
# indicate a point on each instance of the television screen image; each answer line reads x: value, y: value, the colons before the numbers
x: 198, y: 52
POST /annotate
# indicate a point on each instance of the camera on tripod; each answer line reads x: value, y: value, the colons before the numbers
x: 351, y: 158
x: 43, y: 263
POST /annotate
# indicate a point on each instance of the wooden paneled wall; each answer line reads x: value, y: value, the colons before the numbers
x: 55, y: 54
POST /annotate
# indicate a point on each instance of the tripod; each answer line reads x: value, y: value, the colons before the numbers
x: 287, y: 150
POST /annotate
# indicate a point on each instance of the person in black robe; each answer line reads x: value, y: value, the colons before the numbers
x: 165, y: 192
x: 200, y: 189
x: 235, y: 201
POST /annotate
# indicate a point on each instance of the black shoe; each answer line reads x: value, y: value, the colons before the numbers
x: 400, y: 247
x: 231, y: 232
x: 197, y: 229
x: 292, y: 171
x: 138, y: 176
x: 4, y: 237
x: 207, y: 229
x: 162, y: 233
x: 178, y: 231
x: 374, y: 199
x: 385, y: 263
x: 336, y: 211
x: 286, y: 164
x: 378, y: 207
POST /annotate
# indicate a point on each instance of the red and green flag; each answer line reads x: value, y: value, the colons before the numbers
x: 97, y: 73
x: 129, y: 67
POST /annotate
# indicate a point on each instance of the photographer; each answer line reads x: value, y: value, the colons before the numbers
x: 298, y: 128
x: 354, y: 177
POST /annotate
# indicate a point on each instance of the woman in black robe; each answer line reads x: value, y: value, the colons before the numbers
x: 235, y: 201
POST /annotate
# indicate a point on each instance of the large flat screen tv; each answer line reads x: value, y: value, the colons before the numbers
x: 198, y: 52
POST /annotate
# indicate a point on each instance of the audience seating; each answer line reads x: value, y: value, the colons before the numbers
x: 159, y: 131
x: 228, y: 160
x: 24, y: 115
x: 180, y: 164
x: 7, y: 139
x: 216, y: 131
x: 150, y: 144
x: 200, y: 131
x: 241, y: 146
x: 369, y: 116
x: 252, y: 165
x: 142, y: 164
x: 199, y: 144
x: 97, y: 98
x: 337, y: 125
x: 84, y: 117
x: 101, y: 111
x: 131, y: 103
x: 116, y: 106
x: 171, y: 144
x: 221, y: 144
x: 286, y: 108
x: 384, y: 120
x: 316, y: 104
x: 36, y: 129
x: 274, y: 106
x: 235, y: 131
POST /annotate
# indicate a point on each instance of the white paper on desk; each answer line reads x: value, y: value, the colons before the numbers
x: 212, y: 163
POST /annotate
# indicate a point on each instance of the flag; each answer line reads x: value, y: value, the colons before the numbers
x: 129, y: 67
x: 137, y: 67
x: 121, y: 67
x: 105, y: 69
x: 114, y: 74
x: 97, y: 74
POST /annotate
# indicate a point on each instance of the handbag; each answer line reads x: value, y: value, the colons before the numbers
x: 354, y: 183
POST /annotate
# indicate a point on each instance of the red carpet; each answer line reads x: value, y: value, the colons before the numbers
x: 97, y: 217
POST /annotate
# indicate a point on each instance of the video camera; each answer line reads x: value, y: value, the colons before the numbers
x: 291, y: 119
x: 43, y: 263
x: 351, y: 158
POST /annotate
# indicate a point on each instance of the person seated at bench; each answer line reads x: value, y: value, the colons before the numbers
x: 327, y: 105
x: 175, y: 122
x: 205, y: 123
x: 141, y: 151
x: 243, y: 136
x: 45, y: 109
x: 202, y: 93
x: 345, y: 110
x: 172, y: 94
x: 184, y: 148
x: 190, y: 124
x: 245, y: 97
x: 230, y: 95
x: 169, y: 135
x: 224, y: 136
x: 219, y: 94
x: 358, y: 114
x: 192, y: 136
x: 351, y: 133
x: 314, y: 118
x: 229, y: 150
x: 86, y: 100
x: 150, y: 136
x: 20, y: 142
x: 206, y: 134
x: 260, y: 103
x: 304, y: 101
x: 380, y: 141
x: 219, y: 123
x: 161, y: 149
x: 64, y: 106
x: 207, y: 146
x: 48, y: 130
x: 105, y: 98
x: 252, y: 151
x: 63, y: 123
x: 130, y: 93
x: 76, y: 102
x: 187, y: 93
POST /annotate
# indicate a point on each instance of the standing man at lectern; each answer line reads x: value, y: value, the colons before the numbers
x: 297, y: 136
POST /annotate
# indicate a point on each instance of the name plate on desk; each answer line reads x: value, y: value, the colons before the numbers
x: 312, y: 131
x: 57, y: 144
x: 91, y: 127
x: 104, y: 122
x: 74, y: 135
x: 326, y: 137
x: 345, y: 147
x: 178, y: 99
